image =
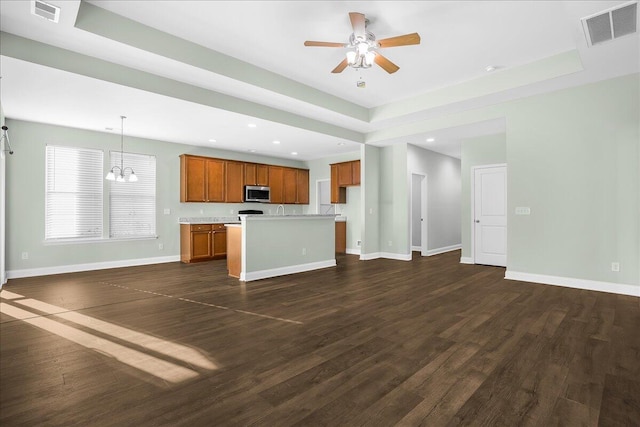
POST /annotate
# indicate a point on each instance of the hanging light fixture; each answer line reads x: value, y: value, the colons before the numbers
x: 111, y: 176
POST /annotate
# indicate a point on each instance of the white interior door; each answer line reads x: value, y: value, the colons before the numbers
x: 490, y: 215
x: 423, y: 216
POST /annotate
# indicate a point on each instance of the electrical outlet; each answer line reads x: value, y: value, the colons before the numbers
x: 231, y: 211
x: 167, y: 211
x: 370, y: 211
x: 359, y: 242
x: 523, y: 210
x: 25, y: 255
x: 615, y: 266
x: 390, y: 243
x: 304, y: 251
x: 201, y: 211
x: 160, y: 246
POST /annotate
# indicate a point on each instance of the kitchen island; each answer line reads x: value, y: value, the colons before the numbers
x: 263, y: 246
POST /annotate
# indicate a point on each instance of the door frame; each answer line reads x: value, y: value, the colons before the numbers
x: 424, y: 229
x: 473, y: 205
x: 318, y: 182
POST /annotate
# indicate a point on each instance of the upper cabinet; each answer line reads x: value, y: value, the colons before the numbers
x: 343, y: 175
x: 201, y: 179
x: 256, y: 174
x: 205, y: 179
x: 234, y: 182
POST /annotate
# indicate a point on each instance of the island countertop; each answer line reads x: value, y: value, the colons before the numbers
x: 209, y: 220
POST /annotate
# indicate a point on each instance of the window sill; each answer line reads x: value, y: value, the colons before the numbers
x: 54, y: 242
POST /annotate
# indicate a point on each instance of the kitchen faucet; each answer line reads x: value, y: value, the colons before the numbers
x: 278, y: 209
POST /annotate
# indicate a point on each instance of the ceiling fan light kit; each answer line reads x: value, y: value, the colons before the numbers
x: 363, y: 46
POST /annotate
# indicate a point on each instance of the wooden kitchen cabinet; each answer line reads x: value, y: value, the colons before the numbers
x: 338, y: 194
x: 256, y: 174
x: 343, y: 175
x: 302, y: 196
x: 234, y: 182
x: 290, y: 185
x: 341, y: 237
x: 355, y: 172
x: 202, y: 242
x: 215, y: 180
x: 276, y: 174
x: 201, y: 179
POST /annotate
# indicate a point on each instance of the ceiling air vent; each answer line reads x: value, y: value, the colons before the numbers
x: 45, y: 10
x: 611, y: 24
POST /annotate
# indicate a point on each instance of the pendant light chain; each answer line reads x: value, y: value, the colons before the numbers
x: 111, y: 176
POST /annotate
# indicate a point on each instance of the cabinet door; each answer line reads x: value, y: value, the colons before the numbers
x: 200, y: 244
x: 262, y: 175
x: 219, y: 243
x: 290, y: 181
x: 215, y: 180
x: 341, y: 237
x: 192, y: 179
x: 234, y: 182
x: 345, y: 175
x: 275, y: 183
x: 355, y: 170
x: 303, y: 187
x: 250, y: 177
x: 338, y: 194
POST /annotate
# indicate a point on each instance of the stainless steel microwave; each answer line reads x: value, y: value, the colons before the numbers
x: 253, y: 193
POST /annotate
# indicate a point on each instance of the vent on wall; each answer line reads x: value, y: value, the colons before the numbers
x: 45, y: 10
x: 611, y: 24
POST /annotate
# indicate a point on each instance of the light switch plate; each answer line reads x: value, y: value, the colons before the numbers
x: 523, y: 210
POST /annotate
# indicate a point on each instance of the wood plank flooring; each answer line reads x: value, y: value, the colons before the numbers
x: 429, y: 342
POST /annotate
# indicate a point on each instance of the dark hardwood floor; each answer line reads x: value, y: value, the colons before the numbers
x: 428, y: 342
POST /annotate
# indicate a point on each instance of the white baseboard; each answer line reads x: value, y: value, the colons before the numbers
x: 444, y: 249
x: 466, y: 260
x: 569, y: 282
x: 353, y: 251
x: 416, y: 248
x: 281, y: 271
x: 74, y: 268
x: 387, y: 255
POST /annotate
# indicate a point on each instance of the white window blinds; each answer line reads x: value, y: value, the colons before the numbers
x: 132, y: 205
x: 73, y: 194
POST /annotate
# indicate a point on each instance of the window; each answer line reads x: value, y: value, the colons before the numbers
x: 132, y: 205
x: 73, y: 193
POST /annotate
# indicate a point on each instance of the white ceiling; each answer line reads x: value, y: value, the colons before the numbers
x: 459, y: 39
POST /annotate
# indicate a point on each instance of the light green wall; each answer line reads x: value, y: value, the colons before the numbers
x: 443, y: 195
x: 3, y: 277
x: 483, y: 150
x: 285, y: 242
x: 394, y: 200
x: 370, y: 193
x: 572, y: 158
x: 25, y: 197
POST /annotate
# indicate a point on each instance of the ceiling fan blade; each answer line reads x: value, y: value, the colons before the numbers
x: 407, y: 39
x: 323, y: 44
x: 387, y: 65
x: 358, y: 23
x: 341, y: 66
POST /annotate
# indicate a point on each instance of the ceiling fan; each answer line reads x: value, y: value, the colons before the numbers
x: 363, y: 46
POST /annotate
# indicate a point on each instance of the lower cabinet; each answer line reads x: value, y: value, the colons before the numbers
x: 341, y: 237
x: 202, y: 242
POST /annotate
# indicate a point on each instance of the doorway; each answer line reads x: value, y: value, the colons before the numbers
x: 418, y: 233
x: 323, y: 199
x: 489, y: 215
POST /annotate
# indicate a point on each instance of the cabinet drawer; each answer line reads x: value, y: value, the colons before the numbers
x: 218, y: 227
x: 200, y: 227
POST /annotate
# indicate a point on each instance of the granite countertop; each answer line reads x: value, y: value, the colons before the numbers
x: 209, y: 220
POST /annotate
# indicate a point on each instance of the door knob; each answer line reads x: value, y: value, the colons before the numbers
x: 477, y: 220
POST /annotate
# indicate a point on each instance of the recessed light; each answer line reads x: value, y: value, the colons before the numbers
x: 212, y: 140
x: 108, y: 128
x: 341, y: 143
x: 430, y: 139
x: 490, y: 68
x: 252, y: 150
x: 294, y: 153
x: 276, y: 142
x: 251, y: 125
